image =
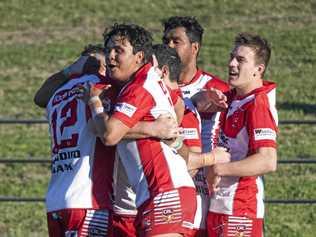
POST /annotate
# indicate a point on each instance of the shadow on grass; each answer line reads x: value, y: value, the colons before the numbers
x: 306, y: 108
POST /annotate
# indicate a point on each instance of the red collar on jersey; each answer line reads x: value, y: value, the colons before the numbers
x: 197, y: 75
x: 142, y: 72
x: 265, y: 88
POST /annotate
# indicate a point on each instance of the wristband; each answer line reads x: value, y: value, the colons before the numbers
x: 96, y: 111
x: 177, y: 144
x: 94, y: 100
x: 95, y: 105
x: 208, y: 159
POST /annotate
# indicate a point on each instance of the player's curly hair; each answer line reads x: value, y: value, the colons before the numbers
x: 139, y: 37
x: 192, y: 27
x: 259, y: 45
x: 169, y: 57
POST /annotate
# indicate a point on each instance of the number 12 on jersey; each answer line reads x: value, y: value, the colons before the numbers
x: 61, y: 119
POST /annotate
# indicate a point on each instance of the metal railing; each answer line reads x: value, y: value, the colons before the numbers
x: 32, y: 160
x: 47, y: 161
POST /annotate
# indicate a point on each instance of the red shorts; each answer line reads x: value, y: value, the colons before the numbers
x: 79, y: 223
x: 124, y: 226
x: 220, y: 225
x: 200, y: 233
x: 169, y: 212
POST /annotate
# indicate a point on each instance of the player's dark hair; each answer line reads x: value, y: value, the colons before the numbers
x: 259, y: 45
x: 192, y: 27
x: 169, y: 57
x: 93, y: 63
x: 138, y: 37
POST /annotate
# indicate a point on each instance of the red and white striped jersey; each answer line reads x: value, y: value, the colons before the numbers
x: 152, y: 167
x: 124, y: 195
x: 249, y: 123
x: 81, y: 165
x: 191, y: 124
x: 210, y: 121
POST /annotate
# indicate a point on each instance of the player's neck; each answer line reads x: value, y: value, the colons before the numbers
x: 249, y: 87
x: 187, y: 73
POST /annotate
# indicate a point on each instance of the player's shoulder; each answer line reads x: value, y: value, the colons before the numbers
x: 144, y: 74
x: 266, y: 93
x: 215, y: 82
x: 262, y: 98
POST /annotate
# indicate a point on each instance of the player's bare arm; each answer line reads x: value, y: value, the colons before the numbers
x: 164, y: 127
x: 58, y: 79
x: 48, y: 88
x: 262, y: 162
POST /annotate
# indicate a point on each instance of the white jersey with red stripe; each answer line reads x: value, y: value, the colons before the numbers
x: 210, y: 121
x: 152, y: 167
x: 249, y: 123
x: 81, y: 175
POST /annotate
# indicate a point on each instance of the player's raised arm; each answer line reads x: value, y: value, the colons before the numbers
x: 87, y: 63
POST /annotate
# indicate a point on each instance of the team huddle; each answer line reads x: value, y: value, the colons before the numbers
x: 145, y: 143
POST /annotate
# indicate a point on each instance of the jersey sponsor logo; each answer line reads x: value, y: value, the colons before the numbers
x: 239, y: 226
x: 190, y: 133
x: 186, y: 92
x: 125, y: 108
x: 58, y: 164
x: 168, y: 214
x: 65, y: 94
x: 264, y: 134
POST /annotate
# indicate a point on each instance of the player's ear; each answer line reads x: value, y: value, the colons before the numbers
x: 164, y: 71
x: 195, y: 48
x: 140, y: 57
x: 261, y: 68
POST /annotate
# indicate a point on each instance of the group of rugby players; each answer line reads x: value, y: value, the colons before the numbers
x: 145, y: 143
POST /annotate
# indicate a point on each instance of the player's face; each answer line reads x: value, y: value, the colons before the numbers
x: 120, y: 60
x: 177, y: 38
x: 242, y: 67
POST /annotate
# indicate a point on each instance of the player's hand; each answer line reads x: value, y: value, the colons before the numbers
x: 89, y: 90
x: 195, y: 161
x: 214, y: 183
x: 221, y: 155
x: 85, y: 64
x: 166, y: 127
x: 211, y: 100
x: 193, y: 172
x: 213, y: 180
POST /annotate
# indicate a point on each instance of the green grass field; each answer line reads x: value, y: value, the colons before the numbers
x: 38, y: 37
